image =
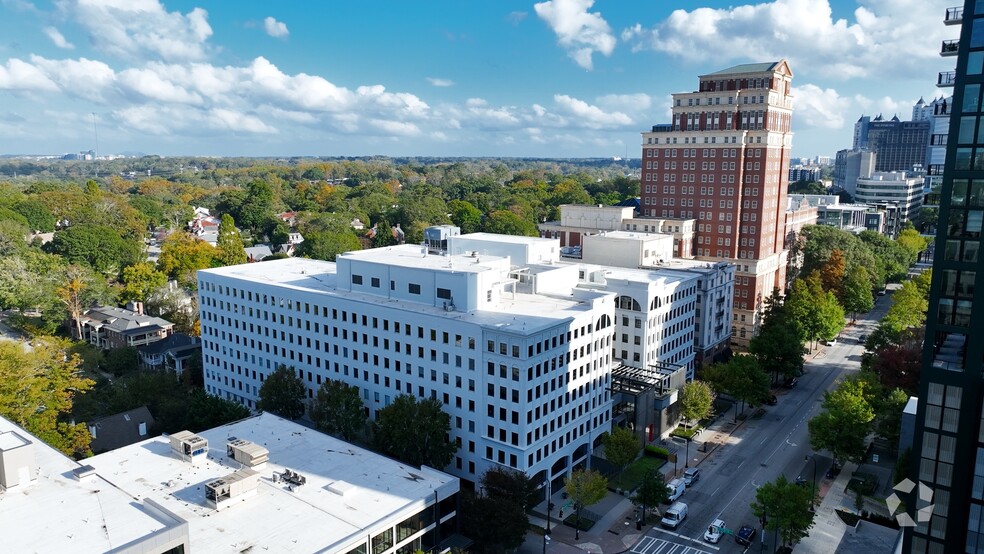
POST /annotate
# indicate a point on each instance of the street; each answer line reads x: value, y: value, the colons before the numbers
x: 776, y: 444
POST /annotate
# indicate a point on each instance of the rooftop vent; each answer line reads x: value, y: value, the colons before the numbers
x: 292, y: 478
x: 247, y: 453
x: 82, y: 472
x: 239, y: 486
x: 188, y: 446
x: 17, y: 461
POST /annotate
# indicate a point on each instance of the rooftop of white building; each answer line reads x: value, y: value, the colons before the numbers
x: 348, y: 490
x: 509, y: 239
x: 634, y: 235
x: 60, y: 513
x: 528, y: 312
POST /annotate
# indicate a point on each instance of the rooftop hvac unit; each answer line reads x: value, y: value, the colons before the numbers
x: 293, y: 478
x: 247, y: 453
x: 188, y: 446
x: 239, y: 485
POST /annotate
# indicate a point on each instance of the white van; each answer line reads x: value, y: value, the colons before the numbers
x: 674, y: 515
x: 675, y: 489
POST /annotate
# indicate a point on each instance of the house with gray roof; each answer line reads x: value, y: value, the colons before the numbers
x: 171, y: 353
x: 119, y: 430
x: 110, y: 327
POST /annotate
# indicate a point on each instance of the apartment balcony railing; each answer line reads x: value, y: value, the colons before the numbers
x: 950, y: 47
x: 946, y: 79
x: 954, y: 16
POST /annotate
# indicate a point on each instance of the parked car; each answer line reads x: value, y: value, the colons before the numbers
x: 882, y: 292
x: 772, y: 400
x: 675, y: 489
x: 674, y: 515
x: 691, y: 476
x: 790, y: 382
x: 862, y: 339
x: 713, y: 533
x: 745, y: 535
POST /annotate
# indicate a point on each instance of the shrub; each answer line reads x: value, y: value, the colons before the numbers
x: 657, y: 451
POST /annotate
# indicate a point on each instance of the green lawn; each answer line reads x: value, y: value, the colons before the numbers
x: 686, y: 433
x: 632, y: 476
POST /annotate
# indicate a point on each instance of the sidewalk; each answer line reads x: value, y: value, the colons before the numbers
x: 616, y: 531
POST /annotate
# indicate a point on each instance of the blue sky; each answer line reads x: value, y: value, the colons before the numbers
x: 557, y: 78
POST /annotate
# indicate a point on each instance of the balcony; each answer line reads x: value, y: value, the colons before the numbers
x: 663, y: 128
x: 954, y: 16
x: 946, y: 79
x: 949, y: 48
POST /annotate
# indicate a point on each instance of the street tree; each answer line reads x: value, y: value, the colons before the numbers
x: 742, y: 378
x: 845, y: 420
x: 784, y: 506
x: 584, y: 488
x: 229, y: 245
x: 857, y: 297
x: 282, y: 393
x: 651, y: 492
x: 511, y: 486
x: 908, y: 309
x: 37, y: 391
x: 696, y: 401
x: 889, y: 414
x: 140, y: 280
x: 621, y: 447
x: 778, y: 346
x: 427, y: 444
x: 337, y: 409
x: 505, y: 535
x: 912, y: 242
x: 832, y: 273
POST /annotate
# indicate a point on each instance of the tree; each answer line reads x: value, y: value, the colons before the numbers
x: 585, y: 488
x: 384, y: 235
x: 845, y: 420
x: 229, y: 245
x: 182, y: 255
x: 511, y: 486
x: 465, y: 215
x: 120, y: 361
x: 257, y: 206
x: 816, y: 311
x: 651, y: 492
x: 140, y: 280
x: 508, y: 532
x: 695, y: 401
x: 38, y: 215
x: 77, y: 293
x: 889, y: 414
x: 908, y: 309
x: 912, y: 242
x: 778, y: 346
x: 98, y: 246
x: 322, y: 245
x: 428, y: 444
x: 337, y: 409
x: 505, y: 222
x: 37, y: 390
x: 832, y: 273
x: 857, y: 297
x: 784, y: 506
x: 621, y: 447
x: 741, y: 377
x: 282, y: 393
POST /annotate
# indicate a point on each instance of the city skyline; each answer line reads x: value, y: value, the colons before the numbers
x: 560, y: 78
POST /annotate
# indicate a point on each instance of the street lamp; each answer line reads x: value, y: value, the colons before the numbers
x: 687, y: 464
x: 546, y: 535
x: 814, y: 489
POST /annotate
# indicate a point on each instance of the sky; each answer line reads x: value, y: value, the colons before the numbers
x: 502, y: 78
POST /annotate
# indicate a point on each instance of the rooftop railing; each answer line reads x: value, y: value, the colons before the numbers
x: 954, y: 16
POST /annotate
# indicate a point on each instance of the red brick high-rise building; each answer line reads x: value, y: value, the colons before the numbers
x: 724, y: 162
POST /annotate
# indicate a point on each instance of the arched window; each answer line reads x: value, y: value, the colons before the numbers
x: 627, y: 303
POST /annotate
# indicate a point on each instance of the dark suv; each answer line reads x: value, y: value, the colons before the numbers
x: 790, y: 382
x: 745, y: 535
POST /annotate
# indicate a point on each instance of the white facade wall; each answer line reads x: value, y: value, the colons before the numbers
x: 887, y: 187
x: 522, y: 390
x: 600, y: 218
x: 520, y: 250
x: 625, y: 249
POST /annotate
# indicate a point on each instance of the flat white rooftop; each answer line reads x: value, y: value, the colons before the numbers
x: 528, y: 312
x: 348, y: 491
x: 58, y: 513
x: 409, y: 256
x: 508, y: 239
x: 634, y: 235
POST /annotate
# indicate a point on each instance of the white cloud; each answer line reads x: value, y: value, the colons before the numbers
x: 152, y: 86
x: 83, y: 78
x: 516, y: 17
x: 886, y: 37
x: 438, y: 82
x: 274, y: 28
x: 817, y: 107
x: 626, y: 102
x: 142, y: 28
x: 18, y: 75
x: 581, y: 33
x: 58, y: 39
x: 590, y: 116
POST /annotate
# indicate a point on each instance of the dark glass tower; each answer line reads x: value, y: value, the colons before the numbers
x: 948, y: 446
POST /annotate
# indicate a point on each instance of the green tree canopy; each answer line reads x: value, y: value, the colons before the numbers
x: 229, y: 245
x: 506, y: 222
x: 778, y: 346
x: 98, y: 246
x: 621, y: 447
x: 37, y: 391
x: 696, y: 401
x: 337, y: 409
x: 857, y: 297
x: 785, y: 507
x: 652, y: 490
x: 845, y: 420
x: 908, y: 309
x: 465, y: 215
x: 37, y: 214
x: 282, y: 393
x: 140, y: 280
x: 182, y: 255
x: 428, y: 444
x: 585, y: 488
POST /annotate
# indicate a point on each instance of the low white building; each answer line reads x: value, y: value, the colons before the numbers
x: 896, y: 187
x: 265, y: 484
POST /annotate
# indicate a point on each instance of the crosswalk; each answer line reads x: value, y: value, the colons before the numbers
x: 652, y: 545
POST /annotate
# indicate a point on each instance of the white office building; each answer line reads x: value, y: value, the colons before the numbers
x: 895, y: 187
x: 523, y: 371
